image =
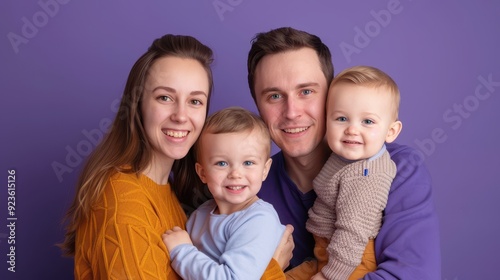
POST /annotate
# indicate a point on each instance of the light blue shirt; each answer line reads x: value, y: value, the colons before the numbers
x: 235, y: 246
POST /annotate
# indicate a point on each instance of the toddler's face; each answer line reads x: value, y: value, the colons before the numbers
x: 359, y: 120
x: 233, y: 165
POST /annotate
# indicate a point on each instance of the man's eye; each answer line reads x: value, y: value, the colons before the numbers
x: 275, y: 96
x: 306, y: 91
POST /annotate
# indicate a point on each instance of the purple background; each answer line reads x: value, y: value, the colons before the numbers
x: 62, y: 81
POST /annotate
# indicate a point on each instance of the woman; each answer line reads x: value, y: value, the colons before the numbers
x: 125, y: 200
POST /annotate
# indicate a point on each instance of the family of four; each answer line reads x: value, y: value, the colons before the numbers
x: 354, y: 204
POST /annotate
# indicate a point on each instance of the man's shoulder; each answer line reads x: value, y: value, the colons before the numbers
x: 399, y: 150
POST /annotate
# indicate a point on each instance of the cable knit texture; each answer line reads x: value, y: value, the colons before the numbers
x: 122, y: 237
x: 348, y: 208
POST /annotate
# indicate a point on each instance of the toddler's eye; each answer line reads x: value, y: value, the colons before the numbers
x: 221, y: 163
x: 341, y: 119
x: 248, y: 163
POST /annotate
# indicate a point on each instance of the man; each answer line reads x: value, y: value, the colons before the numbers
x: 289, y: 72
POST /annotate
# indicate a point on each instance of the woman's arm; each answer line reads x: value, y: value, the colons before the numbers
x: 122, y: 237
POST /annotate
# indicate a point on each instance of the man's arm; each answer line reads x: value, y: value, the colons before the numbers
x: 408, y: 246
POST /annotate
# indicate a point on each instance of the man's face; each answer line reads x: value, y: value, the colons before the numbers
x: 290, y: 93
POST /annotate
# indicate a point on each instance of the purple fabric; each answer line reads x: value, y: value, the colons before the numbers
x: 407, y: 246
x: 292, y: 206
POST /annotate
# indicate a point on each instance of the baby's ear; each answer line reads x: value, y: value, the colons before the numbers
x: 267, y: 167
x: 394, y: 130
x: 201, y: 172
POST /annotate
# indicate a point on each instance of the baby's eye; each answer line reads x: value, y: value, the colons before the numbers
x: 221, y: 163
x: 368, y: 122
x: 248, y: 163
x: 341, y: 119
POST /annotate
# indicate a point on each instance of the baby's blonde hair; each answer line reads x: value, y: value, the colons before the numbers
x: 234, y: 119
x: 369, y: 77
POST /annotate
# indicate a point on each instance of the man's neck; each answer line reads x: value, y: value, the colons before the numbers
x: 303, y: 170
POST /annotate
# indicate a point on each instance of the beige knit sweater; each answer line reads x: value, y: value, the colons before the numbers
x: 348, y: 209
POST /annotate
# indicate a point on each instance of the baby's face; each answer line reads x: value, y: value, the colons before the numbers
x: 233, y: 165
x: 359, y: 120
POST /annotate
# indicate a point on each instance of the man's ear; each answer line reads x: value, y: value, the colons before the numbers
x: 394, y: 130
x: 201, y: 172
x: 267, y: 167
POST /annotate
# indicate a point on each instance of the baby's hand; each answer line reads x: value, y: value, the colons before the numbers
x: 319, y: 276
x: 174, y: 237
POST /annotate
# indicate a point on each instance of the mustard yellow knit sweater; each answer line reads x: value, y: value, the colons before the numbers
x: 122, y: 237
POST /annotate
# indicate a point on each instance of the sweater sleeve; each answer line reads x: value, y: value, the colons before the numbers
x: 132, y: 252
x: 273, y: 271
x: 407, y: 246
x: 248, y: 251
x: 122, y: 238
x: 359, y: 207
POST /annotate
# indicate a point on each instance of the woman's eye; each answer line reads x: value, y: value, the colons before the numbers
x: 196, y: 102
x: 165, y: 98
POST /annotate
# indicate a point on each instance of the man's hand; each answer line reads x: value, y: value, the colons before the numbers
x: 284, y: 251
x: 174, y: 237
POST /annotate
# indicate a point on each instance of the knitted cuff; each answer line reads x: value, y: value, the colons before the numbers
x: 337, y: 270
x: 273, y: 271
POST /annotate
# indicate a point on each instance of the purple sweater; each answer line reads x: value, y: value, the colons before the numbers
x: 407, y: 246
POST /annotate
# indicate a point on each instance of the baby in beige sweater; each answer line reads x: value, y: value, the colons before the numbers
x: 353, y: 186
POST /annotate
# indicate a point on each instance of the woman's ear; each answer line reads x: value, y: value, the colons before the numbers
x: 393, y: 132
x: 201, y: 172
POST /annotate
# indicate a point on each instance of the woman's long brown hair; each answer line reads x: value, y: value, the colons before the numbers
x: 125, y: 148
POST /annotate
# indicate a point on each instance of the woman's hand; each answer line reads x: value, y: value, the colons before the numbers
x: 284, y: 251
x: 174, y: 237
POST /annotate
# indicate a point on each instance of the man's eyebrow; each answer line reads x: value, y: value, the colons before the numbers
x: 270, y: 89
x: 299, y: 86
x: 305, y: 85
